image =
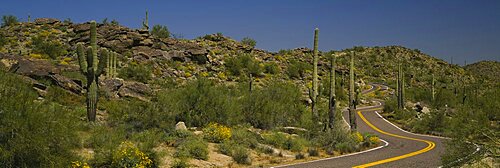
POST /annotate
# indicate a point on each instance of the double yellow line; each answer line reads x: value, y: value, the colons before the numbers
x: 430, y: 146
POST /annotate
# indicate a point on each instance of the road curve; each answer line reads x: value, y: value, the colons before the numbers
x: 404, y: 149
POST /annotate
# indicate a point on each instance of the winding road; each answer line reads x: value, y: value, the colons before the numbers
x: 399, y: 148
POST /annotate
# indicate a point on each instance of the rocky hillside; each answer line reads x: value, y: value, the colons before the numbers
x: 46, y: 49
x: 489, y: 70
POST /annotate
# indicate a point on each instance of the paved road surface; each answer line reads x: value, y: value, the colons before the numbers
x: 404, y: 149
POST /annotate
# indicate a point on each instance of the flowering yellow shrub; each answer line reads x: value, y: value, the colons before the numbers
x: 374, y: 140
x: 204, y: 74
x: 78, y: 164
x: 222, y: 75
x: 36, y: 56
x: 359, y: 138
x: 216, y: 133
x: 128, y: 155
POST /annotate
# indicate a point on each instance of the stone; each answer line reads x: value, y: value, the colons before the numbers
x: 425, y: 110
x: 180, y: 126
x: 66, y: 83
x: 111, y: 86
x: 46, y: 21
x: 84, y: 27
x: 198, y: 132
x: 136, y: 90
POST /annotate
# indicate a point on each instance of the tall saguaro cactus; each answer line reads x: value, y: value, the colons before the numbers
x: 400, y: 86
x: 433, y: 92
x: 332, y: 104
x: 92, y: 67
x: 352, y: 110
x: 145, y: 23
x: 314, y: 94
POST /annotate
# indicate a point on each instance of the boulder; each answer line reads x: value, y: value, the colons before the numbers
x: 84, y: 27
x: 180, y: 126
x: 425, y: 110
x: 66, y: 83
x: 111, y: 86
x: 198, y: 132
x: 46, y: 21
x: 135, y: 89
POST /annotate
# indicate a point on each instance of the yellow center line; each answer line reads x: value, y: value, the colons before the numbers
x: 430, y: 146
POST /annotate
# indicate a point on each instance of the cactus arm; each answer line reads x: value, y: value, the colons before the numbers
x: 80, y: 51
x: 115, y: 61
x: 102, y: 62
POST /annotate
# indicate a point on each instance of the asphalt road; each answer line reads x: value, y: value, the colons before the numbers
x: 403, y: 149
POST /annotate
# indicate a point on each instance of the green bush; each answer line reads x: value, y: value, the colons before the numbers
x: 313, y: 152
x: 9, y: 20
x: 160, y: 31
x: 201, y: 102
x: 181, y: 163
x: 3, y: 40
x: 236, y: 151
x: 296, y: 69
x: 277, y: 104
x: 193, y: 147
x: 336, y: 138
x: 137, y: 72
x: 241, y: 156
x: 46, y: 46
x: 242, y: 136
x: 104, y: 141
x: 243, y: 64
x: 271, y: 68
x: 299, y: 156
x: 249, y: 41
x: 34, y: 134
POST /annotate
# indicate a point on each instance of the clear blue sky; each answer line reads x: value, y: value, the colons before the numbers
x: 442, y: 28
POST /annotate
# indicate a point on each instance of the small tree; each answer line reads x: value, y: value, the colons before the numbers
x: 249, y: 41
x: 160, y: 31
x: 9, y: 20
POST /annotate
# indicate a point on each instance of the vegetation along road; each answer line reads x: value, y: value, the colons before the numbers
x: 401, y: 148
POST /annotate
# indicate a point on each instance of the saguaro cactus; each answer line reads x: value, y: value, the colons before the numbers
x: 332, y: 104
x: 315, y: 94
x: 433, y: 92
x: 145, y: 23
x: 400, y: 86
x: 352, y: 110
x: 92, y: 67
x: 111, y: 65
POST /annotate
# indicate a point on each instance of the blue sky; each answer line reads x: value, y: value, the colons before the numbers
x: 462, y: 29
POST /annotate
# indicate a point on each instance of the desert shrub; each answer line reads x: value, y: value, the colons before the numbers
x: 296, y: 69
x: 336, y: 139
x: 3, y: 40
x: 181, y: 163
x: 242, y: 136
x: 275, y: 139
x: 241, y: 156
x: 434, y: 122
x: 243, y: 64
x: 193, y: 147
x: 137, y: 115
x: 148, y: 139
x: 277, y: 104
x: 299, y: 156
x: 79, y: 164
x: 284, y: 141
x: 295, y: 144
x: 46, y: 45
x: 248, y: 41
x: 271, y: 68
x: 104, y: 141
x: 128, y: 155
x: 345, y: 147
x: 200, y: 102
x: 34, y: 134
x: 160, y: 31
x: 390, y: 105
x: 136, y: 72
x: 9, y: 20
x: 313, y: 152
x: 63, y: 97
x: 236, y: 151
x: 216, y: 133
x: 370, y: 140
